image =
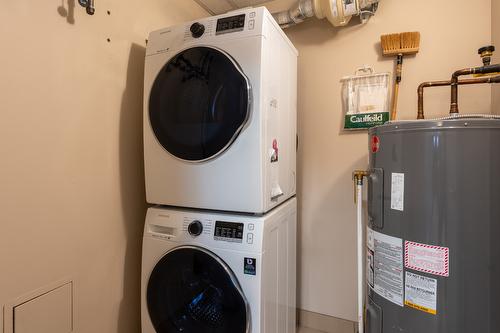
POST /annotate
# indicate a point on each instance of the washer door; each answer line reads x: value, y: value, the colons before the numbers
x: 193, y: 291
x: 199, y: 103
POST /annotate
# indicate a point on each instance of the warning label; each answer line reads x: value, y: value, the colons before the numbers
x: 369, y: 239
x: 427, y: 258
x: 370, y: 278
x: 388, y: 267
x: 421, y: 293
x: 398, y: 191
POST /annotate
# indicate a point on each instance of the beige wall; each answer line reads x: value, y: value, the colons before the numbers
x: 451, y: 33
x: 71, y: 198
x: 495, y: 37
x: 71, y: 177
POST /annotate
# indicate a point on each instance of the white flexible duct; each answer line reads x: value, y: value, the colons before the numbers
x: 302, y: 10
x: 338, y: 12
x: 365, y: 4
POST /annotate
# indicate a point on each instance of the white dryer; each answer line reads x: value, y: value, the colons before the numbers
x: 220, y: 106
x: 219, y: 273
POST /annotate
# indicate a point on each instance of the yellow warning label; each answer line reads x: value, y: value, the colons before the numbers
x: 421, y: 308
x: 421, y: 293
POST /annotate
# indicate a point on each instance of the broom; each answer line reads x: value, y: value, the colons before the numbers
x: 399, y: 45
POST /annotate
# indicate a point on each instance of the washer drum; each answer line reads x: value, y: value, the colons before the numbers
x: 434, y: 227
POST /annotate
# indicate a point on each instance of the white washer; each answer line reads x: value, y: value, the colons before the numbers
x: 220, y: 114
x: 236, y: 276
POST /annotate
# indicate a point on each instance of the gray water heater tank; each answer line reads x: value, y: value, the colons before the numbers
x: 433, y: 242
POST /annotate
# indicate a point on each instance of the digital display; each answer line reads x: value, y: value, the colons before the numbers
x: 229, y: 231
x: 230, y: 24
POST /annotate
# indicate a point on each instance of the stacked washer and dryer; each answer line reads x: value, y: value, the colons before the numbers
x: 219, y: 248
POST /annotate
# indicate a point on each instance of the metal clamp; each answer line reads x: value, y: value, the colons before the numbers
x: 89, y: 6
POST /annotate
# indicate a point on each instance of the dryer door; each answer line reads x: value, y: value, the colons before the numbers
x: 199, y: 103
x: 192, y: 290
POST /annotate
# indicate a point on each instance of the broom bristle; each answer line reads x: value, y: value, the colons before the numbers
x: 390, y: 42
x: 403, y: 43
x: 410, y: 40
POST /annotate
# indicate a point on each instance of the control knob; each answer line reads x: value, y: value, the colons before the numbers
x: 195, y: 228
x: 197, y: 30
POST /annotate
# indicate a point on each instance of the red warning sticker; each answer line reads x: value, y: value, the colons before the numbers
x: 275, y: 155
x: 375, y: 144
x: 427, y: 258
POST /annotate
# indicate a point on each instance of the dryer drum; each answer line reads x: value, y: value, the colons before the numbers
x: 199, y: 102
x: 192, y: 290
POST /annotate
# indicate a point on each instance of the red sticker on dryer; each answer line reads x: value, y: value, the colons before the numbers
x: 375, y: 144
x: 274, y: 156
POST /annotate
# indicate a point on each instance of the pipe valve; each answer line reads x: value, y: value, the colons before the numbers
x: 486, y: 53
x: 88, y: 5
x: 358, y: 176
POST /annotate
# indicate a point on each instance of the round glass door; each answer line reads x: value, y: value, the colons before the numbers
x: 199, y: 103
x: 192, y: 291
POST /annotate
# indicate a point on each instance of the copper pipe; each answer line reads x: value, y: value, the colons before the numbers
x: 467, y: 71
x: 420, y: 91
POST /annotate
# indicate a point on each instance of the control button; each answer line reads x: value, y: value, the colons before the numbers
x: 251, y: 226
x: 251, y: 24
x: 195, y: 228
x: 250, y: 238
x: 252, y: 14
x: 197, y: 30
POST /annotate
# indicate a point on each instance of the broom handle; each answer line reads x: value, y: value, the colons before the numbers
x: 399, y: 71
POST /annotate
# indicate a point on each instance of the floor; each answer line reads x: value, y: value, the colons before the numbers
x: 307, y: 330
x: 318, y: 323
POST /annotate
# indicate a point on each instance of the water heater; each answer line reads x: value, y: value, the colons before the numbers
x: 433, y: 240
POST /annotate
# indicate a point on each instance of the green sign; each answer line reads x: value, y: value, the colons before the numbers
x: 365, y: 120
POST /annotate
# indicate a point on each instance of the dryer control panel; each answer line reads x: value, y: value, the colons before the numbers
x: 230, y: 24
x: 246, y: 23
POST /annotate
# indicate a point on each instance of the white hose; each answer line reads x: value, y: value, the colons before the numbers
x: 360, y: 251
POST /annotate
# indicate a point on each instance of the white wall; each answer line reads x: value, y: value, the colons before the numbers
x: 71, y: 178
x: 451, y: 32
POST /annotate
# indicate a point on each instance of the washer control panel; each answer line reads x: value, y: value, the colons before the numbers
x: 195, y: 228
x: 223, y: 231
x: 197, y: 30
x: 229, y: 231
